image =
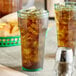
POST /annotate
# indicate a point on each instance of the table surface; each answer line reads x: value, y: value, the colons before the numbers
x: 11, y: 56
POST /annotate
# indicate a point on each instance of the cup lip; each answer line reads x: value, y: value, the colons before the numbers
x: 56, y: 4
x: 66, y: 3
x: 24, y: 12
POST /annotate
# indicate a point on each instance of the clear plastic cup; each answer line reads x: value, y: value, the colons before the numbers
x: 33, y: 26
x: 65, y: 16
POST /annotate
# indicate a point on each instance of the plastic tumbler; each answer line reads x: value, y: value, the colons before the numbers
x: 65, y: 16
x: 33, y: 26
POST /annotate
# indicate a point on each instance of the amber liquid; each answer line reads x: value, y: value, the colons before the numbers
x: 66, y: 28
x: 32, y: 42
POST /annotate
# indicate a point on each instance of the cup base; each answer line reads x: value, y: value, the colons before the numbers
x: 31, y: 70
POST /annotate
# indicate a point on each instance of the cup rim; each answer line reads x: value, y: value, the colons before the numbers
x: 66, y: 5
x: 24, y: 13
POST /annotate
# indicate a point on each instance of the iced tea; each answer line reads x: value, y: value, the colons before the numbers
x: 33, y: 27
x: 66, y: 24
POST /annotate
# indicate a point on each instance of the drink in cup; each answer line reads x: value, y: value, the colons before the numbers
x: 65, y: 15
x: 33, y: 26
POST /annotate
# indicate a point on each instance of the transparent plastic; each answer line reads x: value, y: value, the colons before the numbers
x: 33, y: 28
x: 65, y: 15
